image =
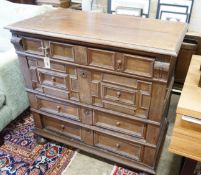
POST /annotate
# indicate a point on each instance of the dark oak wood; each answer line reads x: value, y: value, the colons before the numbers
x: 55, y: 3
x: 23, y: 1
x: 1, y: 138
x: 188, y: 48
x: 188, y: 167
x: 105, y: 94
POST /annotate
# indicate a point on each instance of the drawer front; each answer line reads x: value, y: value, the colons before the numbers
x: 32, y: 45
x: 119, y: 124
x: 65, y: 110
x: 54, y: 79
x: 62, y: 127
x: 55, y: 66
x: 63, y: 94
x: 131, y: 64
x: 118, y: 94
x: 119, y: 146
x: 126, y: 95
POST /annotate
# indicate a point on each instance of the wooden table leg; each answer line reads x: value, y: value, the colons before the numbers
x: 188, y: 167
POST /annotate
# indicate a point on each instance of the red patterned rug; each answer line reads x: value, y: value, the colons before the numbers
x: 123, y: 171
x: 20, y: 155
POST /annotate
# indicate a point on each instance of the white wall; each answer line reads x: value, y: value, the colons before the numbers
x: 195, y: 23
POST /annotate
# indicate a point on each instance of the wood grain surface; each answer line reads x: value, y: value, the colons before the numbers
x: 190, y: 100
x: 186, y: 139
x: 122, y: 31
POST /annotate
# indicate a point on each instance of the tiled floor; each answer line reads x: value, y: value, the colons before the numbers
x: 168, y: 165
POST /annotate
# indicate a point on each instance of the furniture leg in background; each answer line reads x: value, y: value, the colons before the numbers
x: 1, y: 139
x: 188, y: 167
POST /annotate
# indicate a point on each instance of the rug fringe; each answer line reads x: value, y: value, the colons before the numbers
x: 113, y: 170
x: 65, y: 170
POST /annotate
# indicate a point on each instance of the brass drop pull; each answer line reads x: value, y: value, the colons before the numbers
x: 59, y: 108
x: 118, y: 94
x: 53, y: 79
x: 118, y: 123
x: 62, y: 127
x: 118, y: 145
x: 119, y: 64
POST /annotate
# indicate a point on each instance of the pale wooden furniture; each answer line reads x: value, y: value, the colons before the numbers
x: 99, y: 84
x: 190, y: 102
x: 186, y: 137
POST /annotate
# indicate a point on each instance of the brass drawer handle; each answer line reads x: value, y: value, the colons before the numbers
x: 118, y: 123
x: 119, y: 64
x: 62, y: 127
x: 118, y: 145
x: 59, y: 108
x: 118, y: 94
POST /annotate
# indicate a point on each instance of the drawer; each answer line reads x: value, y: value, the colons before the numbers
x: 65, y: 110
x: 32, y: 45
x: 119, y: 124
x: 120, y: 80
x: 119, y: 146
x: 126, y: 95
x: 121, y: 62
x: 118, y: 94
x: 55, y: 66
x: 65, y: 128
x: 55, y: 92
x: 62, y: 127
x: 54, y: 79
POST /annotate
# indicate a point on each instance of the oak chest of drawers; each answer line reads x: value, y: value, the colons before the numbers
x: 100, y: 83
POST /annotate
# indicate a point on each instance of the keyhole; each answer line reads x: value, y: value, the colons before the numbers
x: 84, y: 74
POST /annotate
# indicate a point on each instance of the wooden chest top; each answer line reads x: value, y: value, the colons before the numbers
x: 149, y: 35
